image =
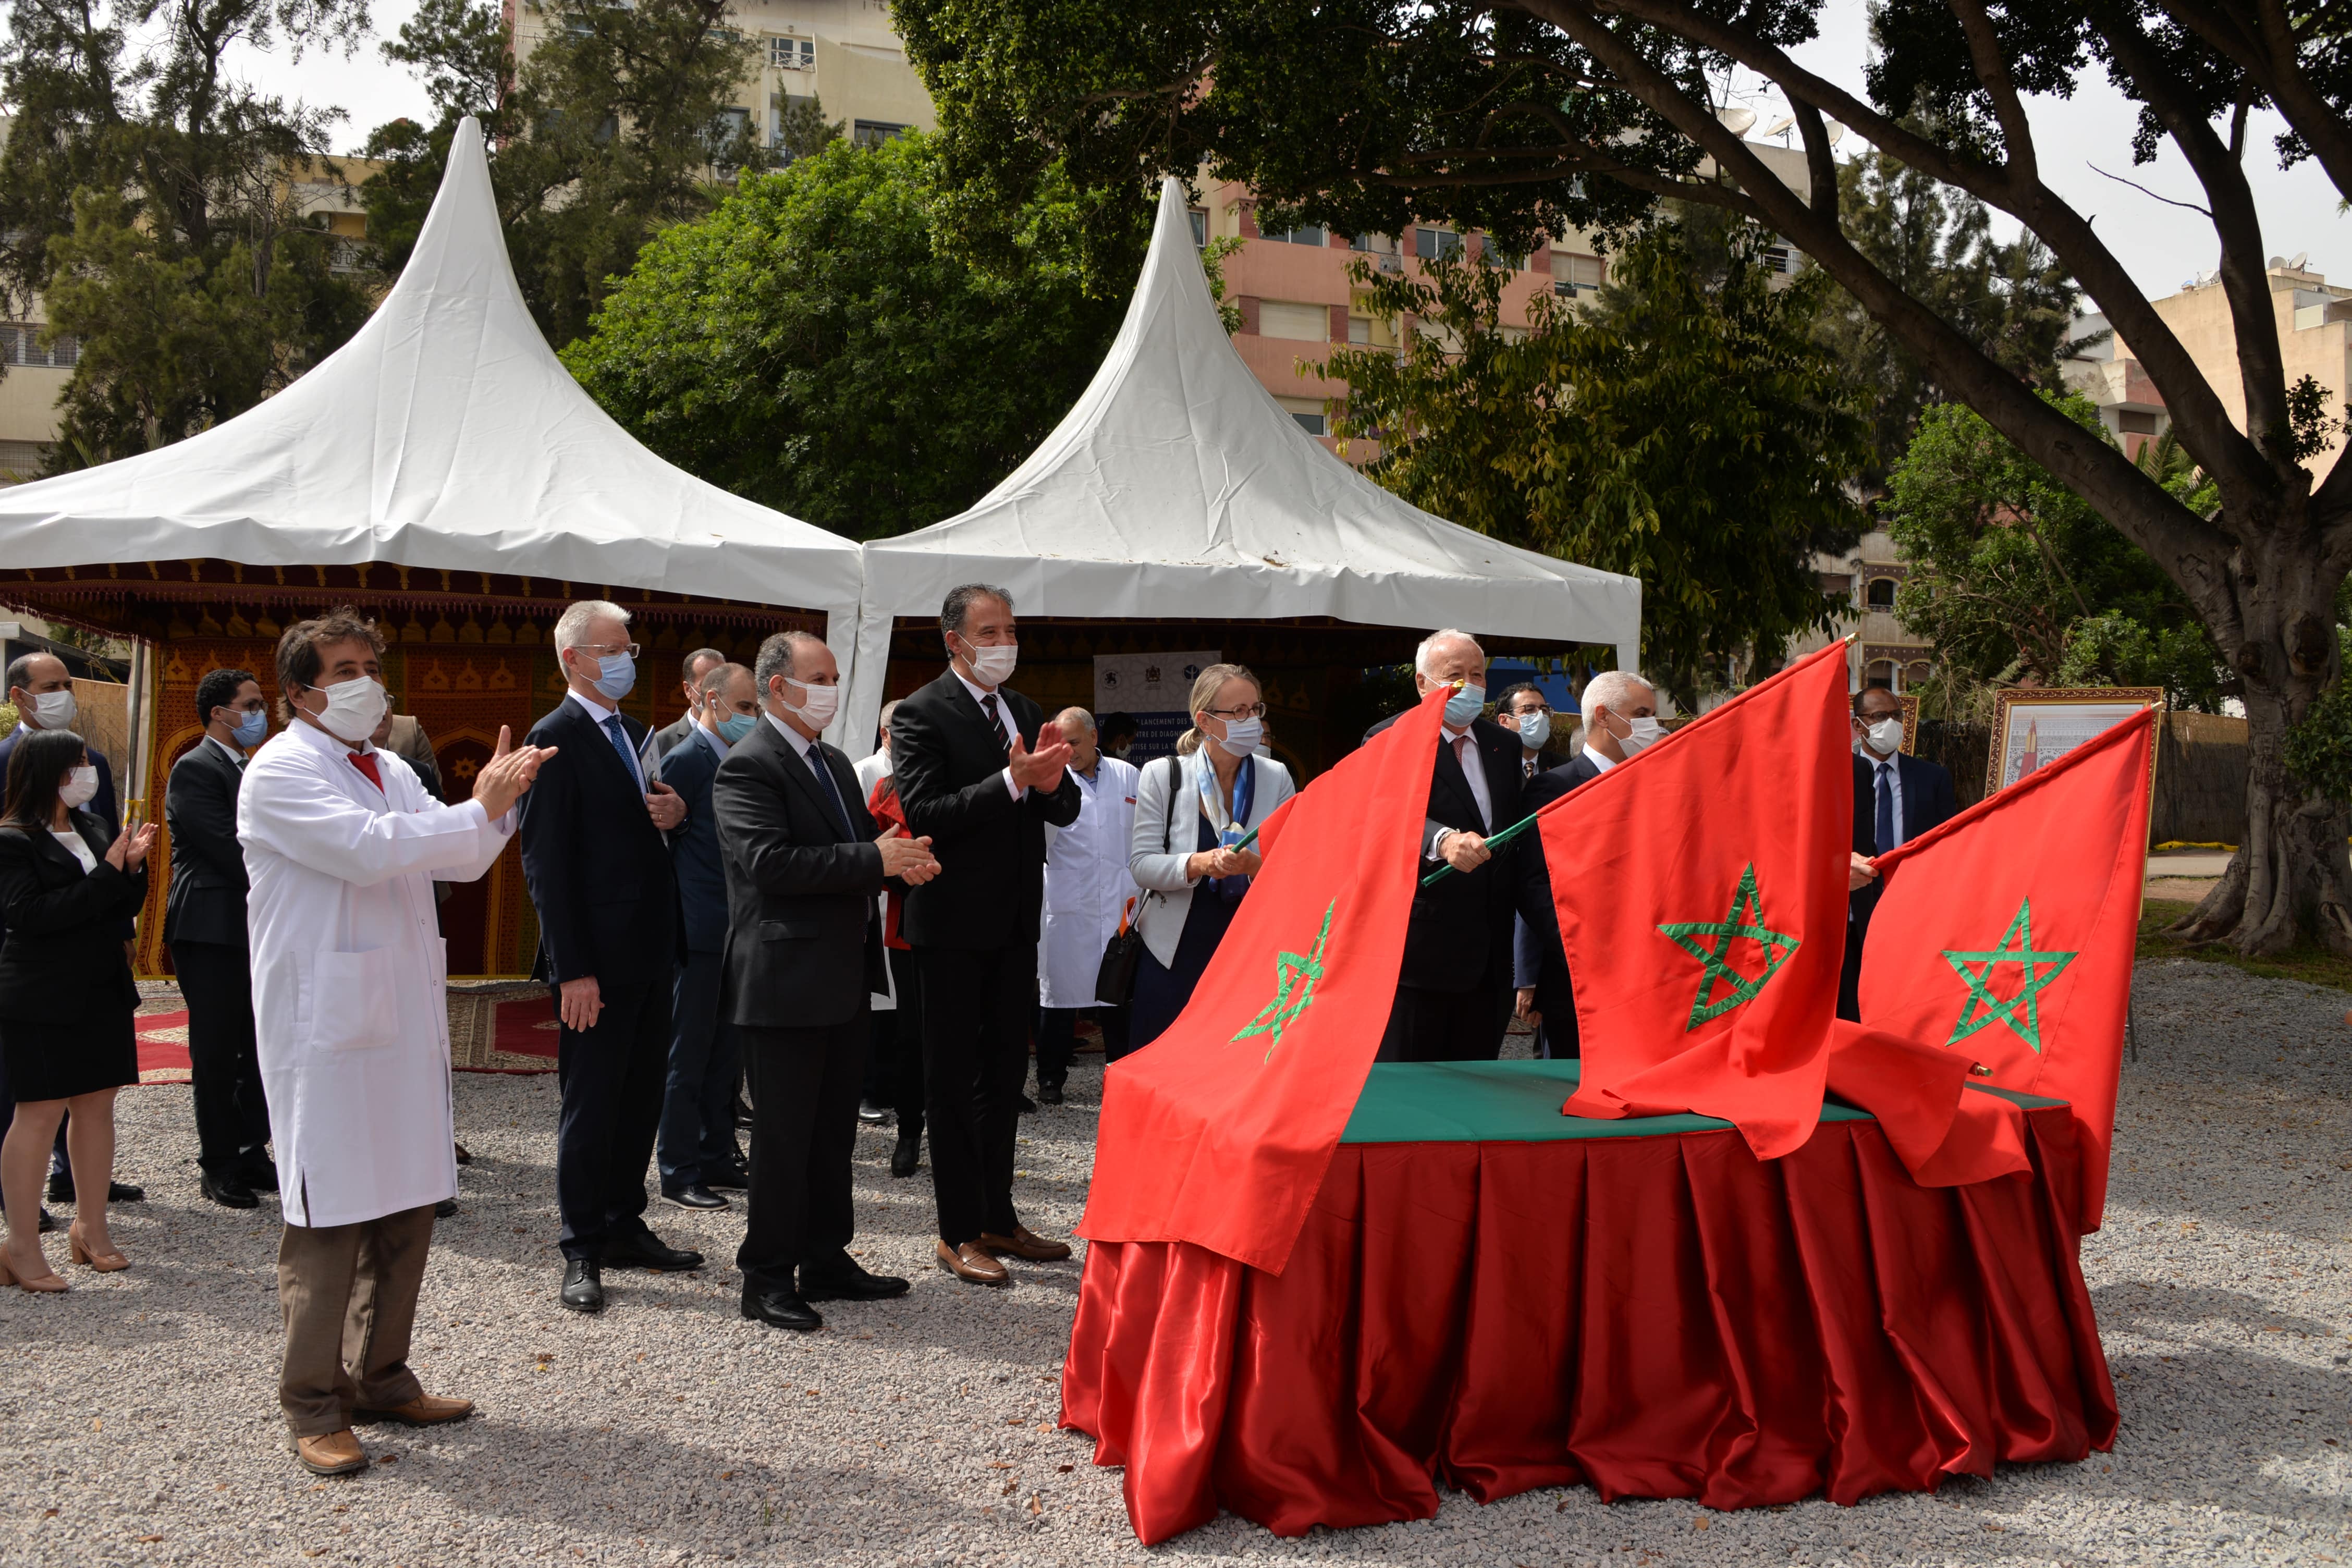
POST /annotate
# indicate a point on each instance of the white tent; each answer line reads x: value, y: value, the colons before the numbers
x: 1178, y: 488
x: 444, y: 433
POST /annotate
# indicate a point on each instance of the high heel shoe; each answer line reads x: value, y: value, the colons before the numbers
x: 46, y: 1283
x: 103, y: 1262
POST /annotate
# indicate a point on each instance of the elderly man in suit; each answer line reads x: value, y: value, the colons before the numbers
x: 803, y: 951
x: 204, y: 922
x: 981, y: 774
x: 678, y: 731
x: 610, y: 934
x: 696, y: 1150
x: 1895, y: 799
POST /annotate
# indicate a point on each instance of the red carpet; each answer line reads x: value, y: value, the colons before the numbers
x: 486, y: 1034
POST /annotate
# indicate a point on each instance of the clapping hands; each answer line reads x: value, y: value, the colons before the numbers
x: 1039, y: 769
x: 511, y: 771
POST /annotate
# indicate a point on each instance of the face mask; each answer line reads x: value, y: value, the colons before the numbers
x: 1464, y: 706
x: 992, y: 666
x: 54, y: 710
x: 1643, y: 732
x: 818, y: 703
x: 1242, y: 735
x: 616, y: 675
x: 354, y: 708
x: 252, y: 728
x: 1885, y: 736
x: 80, y: 783
x: 735, y: 726
x: 1535, y: 728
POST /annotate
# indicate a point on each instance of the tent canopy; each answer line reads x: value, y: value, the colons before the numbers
x: 444, y: 433
x: 1178, y: 489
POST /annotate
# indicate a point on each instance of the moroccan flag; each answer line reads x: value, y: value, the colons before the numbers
x: 2006, y: 935
x: 1219, y: 1131
x: 1701, y: 887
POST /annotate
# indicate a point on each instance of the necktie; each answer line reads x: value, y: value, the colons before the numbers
x: 1469, y: 759
x: 1883, y: 831
x: 620, y: 738
x: 996, y: 718
x: 829, y: 790
x: 365, y: 762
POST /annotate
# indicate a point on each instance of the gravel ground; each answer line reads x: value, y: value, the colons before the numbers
x: 138, y: 1422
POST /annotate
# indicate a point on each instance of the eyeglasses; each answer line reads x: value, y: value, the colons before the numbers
x: 1254, y: 710
x: 1525, y: 712
x: 628, y: 647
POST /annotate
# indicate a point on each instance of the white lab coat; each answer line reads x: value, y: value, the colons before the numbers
x: 1086, y: 885
x: 350, y: 974
x: 871, y: 769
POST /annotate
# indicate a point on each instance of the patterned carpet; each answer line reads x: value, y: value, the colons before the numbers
x: 493, y: 1026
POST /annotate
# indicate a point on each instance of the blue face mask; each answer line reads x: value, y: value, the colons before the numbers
x: 735, y: 726
x: 1464, y: 706
x: 252, y: 728
x: 616, y: 674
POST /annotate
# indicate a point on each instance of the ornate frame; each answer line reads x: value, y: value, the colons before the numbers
x: 2129, y: 698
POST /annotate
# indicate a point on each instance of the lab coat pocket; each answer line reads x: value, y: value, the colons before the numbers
x: 350, y: 1000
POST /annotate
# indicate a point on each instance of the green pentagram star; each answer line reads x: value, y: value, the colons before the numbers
x: 2021, y: 934
x: 1295, y: 976
x: 1745, y: 919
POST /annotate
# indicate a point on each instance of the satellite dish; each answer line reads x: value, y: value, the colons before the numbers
x: 1736, y: 119
x: 2278, y: 262
x: 1780, y: 125
x: 2295, y: 263
x: 1837, y: 133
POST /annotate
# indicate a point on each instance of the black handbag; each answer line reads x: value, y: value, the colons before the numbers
x: 1115, y: 978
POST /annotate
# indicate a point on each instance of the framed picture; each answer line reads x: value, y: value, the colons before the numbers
x: 1910, y: 723
x: 2033, y: 726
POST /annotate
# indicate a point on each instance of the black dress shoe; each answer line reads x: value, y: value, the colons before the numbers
x: 61, y: 1190
x: 261, y: 1175
x: 229, y: 1191
x: 873, y: 1115
x: 780, y: 1309
x: 48, y: 1221
x: 743, y: 1111
x: 735, y: 1178
x: 908, y: 1155
x: 583, y: 1286
x: 1049, y: 1094
x: 693, y: 1195
x: 1025, y: 1105
x: 644, y: 1250
x: 125, y: 1192
x: 842, y: 1279
x: 446, y: 1209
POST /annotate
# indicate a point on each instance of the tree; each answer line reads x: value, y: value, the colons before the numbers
x: 623, y: 120
x: 1699, y: 437
x: 1521, y: 116
x: 154, y: 202
x: 810, y: 346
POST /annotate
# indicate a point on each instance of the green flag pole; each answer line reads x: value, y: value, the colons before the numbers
x: 1505, y: 836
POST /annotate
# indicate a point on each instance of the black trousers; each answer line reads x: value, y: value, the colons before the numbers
x: 1057, y: 1039
x: 1446, y: 1026
x: 805, y: 1086
x: 977, y: 1003
x: 611, y: 1079
x: 223, y: 1063
x: 894, y: 1058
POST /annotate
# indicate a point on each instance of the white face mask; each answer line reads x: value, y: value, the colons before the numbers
x: 1885, y: 736
x: 994, y: 666
x: 80, y: 784
x: 1535, y: 728
x: 354, y: 708
x: 1243, y: 735
x: 817, y: 705
x: 54, y: 710
x: 1640, y: 733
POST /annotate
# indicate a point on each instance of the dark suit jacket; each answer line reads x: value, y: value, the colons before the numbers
x: 669, y: 738
x: 598, y: 870
x: 207, y: 902
x: 804, y: 943
x: 103, y: 805
x: 691, y: 768
x: 991, y: 847
x: 1459, y: 935
x: 62, y: 959
x: 1539, y: 955
x: 1928, y: 802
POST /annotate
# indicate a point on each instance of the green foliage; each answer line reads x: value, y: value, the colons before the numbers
x: 2013, y: 576
x: 2319, y: 747
x: 1698, y: 437
x: 153, y: 200
x: 810, y: 346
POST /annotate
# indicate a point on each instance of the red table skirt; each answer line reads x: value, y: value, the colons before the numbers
x: 1661, y: 1317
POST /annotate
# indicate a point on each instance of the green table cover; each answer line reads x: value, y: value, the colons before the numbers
x: 1519, y: 1102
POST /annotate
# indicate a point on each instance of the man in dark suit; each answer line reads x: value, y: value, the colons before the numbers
x: 980, y: 775
x: 804, y: 865
x: 610, y: 934
x: 1453, y: 989
x: 1895, y: 799
x: 1619, y: 717
x: 1525, y: 708
x: 204, y: 922
x: 670, y: 736
x: 697, y: 1152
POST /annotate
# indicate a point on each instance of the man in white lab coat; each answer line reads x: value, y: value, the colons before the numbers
x: 1086, y: 887
x: 341, y: 844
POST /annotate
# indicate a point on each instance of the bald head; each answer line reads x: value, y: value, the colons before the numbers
x: 1077, y: 727
x: 1448, y: 658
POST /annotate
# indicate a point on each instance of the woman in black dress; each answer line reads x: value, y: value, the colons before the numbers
x: 67, y: 997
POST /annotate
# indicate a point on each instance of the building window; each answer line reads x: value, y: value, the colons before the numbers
x: 1200, y: 220
x: 1310, y: 423
x: 1508, y: 260
x: 1359, y: 329
x: 873, y: 132
x: 725, y: 130
x: 1305, y: 234
x: 1879, y: 672
x: 1373, y: 244
x: 1838, y: 585
x: 793, y: 54
x: 1429, y: 243
x: 1304, y: 323
x: 1573, y: 275
x: 2132, y: 422
x: 1916, y: 671
x: 1881, y: 594
x: 20, y: 345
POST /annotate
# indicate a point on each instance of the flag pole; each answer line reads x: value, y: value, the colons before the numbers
x: 1505, y: 836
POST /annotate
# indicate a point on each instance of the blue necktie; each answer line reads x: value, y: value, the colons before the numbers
x: 629, y: 754
x: 815, y: 759
x: 1883, y: 829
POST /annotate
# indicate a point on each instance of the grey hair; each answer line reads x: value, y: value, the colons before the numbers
x: 571, y: 625
x: 1612, y: 687
x: 957, y: 607
x: 780, y: 655
x: 714, y: 679
x: 1428, y: 648
x: 1085, y: 720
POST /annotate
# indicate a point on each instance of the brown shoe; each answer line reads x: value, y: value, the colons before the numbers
x: 1027, y: 1243
x: 973, y: 1262
x: 332, y: 1454
x: 424, y: 1410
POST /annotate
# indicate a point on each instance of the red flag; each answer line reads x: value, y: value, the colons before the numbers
x: 1219, y: 1131
x: 2007, y: 934
x: 1702, y: 897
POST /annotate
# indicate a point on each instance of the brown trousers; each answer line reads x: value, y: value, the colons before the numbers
x: 347, y: 1293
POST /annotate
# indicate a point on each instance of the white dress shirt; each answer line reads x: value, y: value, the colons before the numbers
x: 1601, y: 760
x: 1473, y: 769
x: 598, y: 712
x: 980, y: 694
x: 231, y: 753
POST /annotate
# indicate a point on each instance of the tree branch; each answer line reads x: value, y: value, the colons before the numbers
x: 2270, y: 57
x: 1985, y: 59
x: 1820, y: 169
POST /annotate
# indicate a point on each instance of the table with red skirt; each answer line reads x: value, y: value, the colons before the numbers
x: 1492, y: 1297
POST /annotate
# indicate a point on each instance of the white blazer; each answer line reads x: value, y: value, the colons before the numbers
x: 350, y: 974
x: 1157, y: 856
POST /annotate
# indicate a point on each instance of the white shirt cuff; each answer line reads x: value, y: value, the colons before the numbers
x: 1437, y: 839
x: 1010, y: 787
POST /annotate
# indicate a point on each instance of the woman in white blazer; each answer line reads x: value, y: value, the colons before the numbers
x: 1190, y: 810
